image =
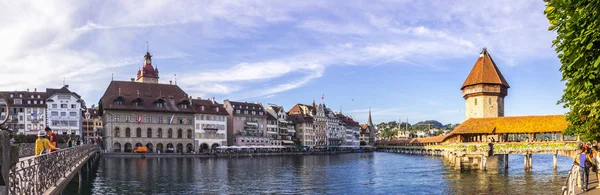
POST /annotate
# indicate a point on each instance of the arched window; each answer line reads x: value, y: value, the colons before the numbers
x: 189, y: 134
x: 149, y: 132
x: 160, y: 133
x: 170, y: 133
x: 127, y: 132
x: 138, y: 132
x: 179, y: 133
x: 117, y: 132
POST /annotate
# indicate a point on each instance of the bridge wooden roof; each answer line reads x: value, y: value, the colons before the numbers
x: 434, y: 139
x: 513, y: 124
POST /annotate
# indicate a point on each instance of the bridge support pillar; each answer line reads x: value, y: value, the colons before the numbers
x: 530, y: 161
x: 458, y: 162
x: 525, y: 161
x: 483, y: 163
x: 506, y: 161
x: 555, y: 161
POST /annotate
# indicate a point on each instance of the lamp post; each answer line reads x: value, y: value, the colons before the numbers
x: 111, y: 131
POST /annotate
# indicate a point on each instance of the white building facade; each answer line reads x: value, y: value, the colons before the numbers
x: 334, y: 134
x: 64, y: 110
x: 210, y: 124
x: 27, y: 111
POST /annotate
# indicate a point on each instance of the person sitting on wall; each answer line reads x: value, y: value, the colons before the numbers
x: 42, y: 144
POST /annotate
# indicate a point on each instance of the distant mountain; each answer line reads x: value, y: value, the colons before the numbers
x: 433, y: 123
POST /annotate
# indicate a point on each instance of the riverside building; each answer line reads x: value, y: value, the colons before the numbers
x: 27, y: 110
x: 210, y: 124
x: 285, y: 125
x: 91, y: 125
x: 144, y: 112
x: 302, y: 116
x: 246, y: 124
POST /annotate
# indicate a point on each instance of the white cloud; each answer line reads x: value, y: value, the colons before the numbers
x: 81, y: 41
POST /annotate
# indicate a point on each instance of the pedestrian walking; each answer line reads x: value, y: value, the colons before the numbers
x: 584, y: 160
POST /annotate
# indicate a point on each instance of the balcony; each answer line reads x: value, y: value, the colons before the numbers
x: 250, y: 133
x: 210, y: 130
x: 250, y: 127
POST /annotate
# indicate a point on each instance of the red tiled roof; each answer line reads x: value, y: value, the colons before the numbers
x: 93, y: 112
x: 485, y: 71
x: 148, y: 93
x: 349, y: 121
x: 209, y: 107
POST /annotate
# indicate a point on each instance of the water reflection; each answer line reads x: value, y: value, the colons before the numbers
x: 367, y: 173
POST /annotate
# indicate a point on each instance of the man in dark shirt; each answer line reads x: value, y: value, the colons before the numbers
x: 51, y: 135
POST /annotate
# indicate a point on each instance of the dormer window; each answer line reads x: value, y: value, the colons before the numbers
x: 136, y: 103
x: 39, y: 96
x: 20, y: 95
x: 184, y: 106
x: 217, y: 109
x: 253, y: 112
x: 160, y: 104
x: 11, y: 95
x: 118, y: 101
x: 202, y: 108
x: 246, y: 107
x: 31, y: 96
x: 261, y: 113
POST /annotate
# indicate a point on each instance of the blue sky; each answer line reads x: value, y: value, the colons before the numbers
x: 402, y: 59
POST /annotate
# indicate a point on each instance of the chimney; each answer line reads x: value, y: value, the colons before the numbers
x: 212, y: 100
x: 170, y: 82
x: 27, y: 89
x: 132, y: 79
x: 199, y: 98
x: 67, y: 86
x: 34, y: 89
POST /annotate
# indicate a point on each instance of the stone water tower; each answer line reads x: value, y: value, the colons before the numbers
x: 484, y: 89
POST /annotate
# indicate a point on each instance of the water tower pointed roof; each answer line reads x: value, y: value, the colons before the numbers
x: 485, y: 71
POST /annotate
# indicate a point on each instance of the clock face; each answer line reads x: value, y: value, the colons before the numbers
x: 148, y: 61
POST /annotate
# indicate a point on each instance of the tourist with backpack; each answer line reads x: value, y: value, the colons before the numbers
x: 43, y: 145
x: 584, y: 161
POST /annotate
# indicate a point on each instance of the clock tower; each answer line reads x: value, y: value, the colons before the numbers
x: 147, y: 73
x: 484, y: 89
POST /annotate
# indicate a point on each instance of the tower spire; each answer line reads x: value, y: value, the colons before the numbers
x: 370, y: 122
x: 147, y: 47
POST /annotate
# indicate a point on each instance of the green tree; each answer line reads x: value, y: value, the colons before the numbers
x: 577, y: 24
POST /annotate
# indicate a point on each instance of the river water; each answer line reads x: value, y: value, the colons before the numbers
x: 356, y: 173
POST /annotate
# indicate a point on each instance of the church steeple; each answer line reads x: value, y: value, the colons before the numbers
x: 370, y: 122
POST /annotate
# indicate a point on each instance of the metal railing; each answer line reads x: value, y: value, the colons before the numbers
x: 569, y: 187
x: 36, y: 175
